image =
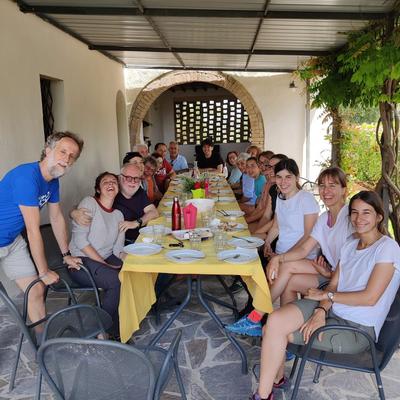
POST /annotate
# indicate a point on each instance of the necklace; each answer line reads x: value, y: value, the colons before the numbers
x: 362, y: 246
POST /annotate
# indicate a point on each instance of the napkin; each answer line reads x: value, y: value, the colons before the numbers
x: 198, y: 193
x: 190, y: 216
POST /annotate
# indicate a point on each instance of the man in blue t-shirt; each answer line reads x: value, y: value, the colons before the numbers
x: 23, y: 192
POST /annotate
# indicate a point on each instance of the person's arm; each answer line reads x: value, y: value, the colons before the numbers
x: 377, y: 283
x: 82, y: 216
x: 150, y: 212
x: 31, y: 217
x: 271, y: 236
x: 59, y: 227
x: 295, y: 254
x: 261, y: 207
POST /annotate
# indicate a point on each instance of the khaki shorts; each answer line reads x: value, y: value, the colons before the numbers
x: 15, y: 260
x: 335, y: 341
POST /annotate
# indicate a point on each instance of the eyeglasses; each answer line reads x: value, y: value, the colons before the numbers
x: 135, y: 179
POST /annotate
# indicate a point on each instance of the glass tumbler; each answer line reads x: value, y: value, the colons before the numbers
x: 158, y: 233
x: 220, y: 240
x: 195, y: 240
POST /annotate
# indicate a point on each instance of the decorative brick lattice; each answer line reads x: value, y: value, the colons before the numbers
x: 162, y: 83
x: 47, y: 107
x: 224, y: 120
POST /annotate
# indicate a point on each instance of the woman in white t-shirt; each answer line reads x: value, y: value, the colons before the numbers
x: 295, y: 215
x: 293, y: 271
x: 359, y: 294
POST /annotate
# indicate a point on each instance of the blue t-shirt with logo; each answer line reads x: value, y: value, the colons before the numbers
x: 23, y: 186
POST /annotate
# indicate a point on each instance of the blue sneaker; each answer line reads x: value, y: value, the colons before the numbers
x: 245, y: 327
x: 289, y: 356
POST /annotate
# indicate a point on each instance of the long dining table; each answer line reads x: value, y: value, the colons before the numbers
x: 139, y: 273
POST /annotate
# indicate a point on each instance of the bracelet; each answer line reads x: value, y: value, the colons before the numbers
x: 321, y: 308
x: 41, y: 276
x: 67, y: 253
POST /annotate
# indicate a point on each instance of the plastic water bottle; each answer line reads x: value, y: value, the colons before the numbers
x: 176, y: 215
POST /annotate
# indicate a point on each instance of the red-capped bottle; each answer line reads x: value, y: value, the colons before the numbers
x: 176, y: 215
x: 206, y: 187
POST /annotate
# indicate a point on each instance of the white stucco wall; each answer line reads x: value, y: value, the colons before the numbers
x: 31, y: 47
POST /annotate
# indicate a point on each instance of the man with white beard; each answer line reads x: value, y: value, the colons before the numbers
x: 24, y: 190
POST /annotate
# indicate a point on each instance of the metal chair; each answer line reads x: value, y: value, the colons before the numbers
x: 75, y: 321
x: 78, y: 369
x: 373, y: 360
x: 55, y: 263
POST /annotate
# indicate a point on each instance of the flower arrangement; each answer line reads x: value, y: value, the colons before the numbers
x: 194, y: 186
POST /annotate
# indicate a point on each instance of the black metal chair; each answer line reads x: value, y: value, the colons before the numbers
x: 55, y: 263
x: 79, y: 369
x: 372, y: 360
x: 77, y: 320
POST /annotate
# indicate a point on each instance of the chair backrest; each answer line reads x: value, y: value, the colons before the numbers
x: 78, y: 369
x: 389, y: 336
x: 78, y: 321
x: 16, y: 315
x: 51, y: 248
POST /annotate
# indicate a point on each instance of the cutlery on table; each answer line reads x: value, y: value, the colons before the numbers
x: 242, y: 238
x: 234, y: 257
x: 188, y: 256
x: 224, y: 213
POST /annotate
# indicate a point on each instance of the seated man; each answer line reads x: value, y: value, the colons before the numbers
x: 165, y: 172
x: 142, y: 149
x: 133, y: 157
x: 131, y: 200
x: 210, y: 161
x: 178, y: 161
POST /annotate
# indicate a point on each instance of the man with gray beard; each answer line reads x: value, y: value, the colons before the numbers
x: 24, y: 190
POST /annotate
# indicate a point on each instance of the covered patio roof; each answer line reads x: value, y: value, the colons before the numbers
x: 254, y: 35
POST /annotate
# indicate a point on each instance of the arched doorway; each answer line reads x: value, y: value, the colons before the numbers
x: 162, y: 83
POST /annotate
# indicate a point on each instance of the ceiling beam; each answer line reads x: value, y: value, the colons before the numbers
x: 253, y: 45
x: 158, y: 32
x: 199, y: 13
x: 263, y: 52
x: 177, y: 68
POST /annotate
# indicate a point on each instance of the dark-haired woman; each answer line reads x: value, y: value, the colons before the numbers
x: 295, y: 215
x: 100, y: 244
x: 359, y: 294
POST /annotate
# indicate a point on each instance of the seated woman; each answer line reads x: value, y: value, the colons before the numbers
x: 253, y: 150
x: 241, y: 165
x: 149, y: 182
x: 209, y: 161
x: 100, y: 244
x: 234, y: 173
x: 360, y: 294
x: 260, y: 220
x: 295, y: 215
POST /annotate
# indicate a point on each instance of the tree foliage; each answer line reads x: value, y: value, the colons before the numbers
x: 366, y: 72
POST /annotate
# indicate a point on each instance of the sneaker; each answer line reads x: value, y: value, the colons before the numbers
x: 245, y: 327
x: 289, y: 356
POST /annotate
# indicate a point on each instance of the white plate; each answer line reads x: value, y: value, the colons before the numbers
x: 142, y: 249
x: 148, y: 230
x: 183, y: 234
x: 244, y: 256
x: 185, y: 256
x: 224, y: 199
x: 168, y: 203
x: 216, y: 223
x: 255, y: 242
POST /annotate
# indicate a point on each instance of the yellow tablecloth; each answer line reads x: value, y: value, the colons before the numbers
x: 139, y: 273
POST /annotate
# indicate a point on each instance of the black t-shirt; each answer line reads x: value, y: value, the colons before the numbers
x: 273, y: 192
x: 132, y: 209
x: 211, y: 162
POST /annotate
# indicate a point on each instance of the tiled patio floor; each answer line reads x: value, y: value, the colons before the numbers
x: 209, y: 363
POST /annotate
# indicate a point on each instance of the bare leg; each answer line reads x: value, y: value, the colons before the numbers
x: 36, y: 307
x: 286, y: 271
x: 298, y: 283
x: 280, y: 324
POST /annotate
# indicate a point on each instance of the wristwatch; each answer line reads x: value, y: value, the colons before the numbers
x: 67, y: 253
x: 140, y: 222
x: 330, y: 295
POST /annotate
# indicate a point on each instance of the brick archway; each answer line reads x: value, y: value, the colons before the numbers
x: 162, y: 83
